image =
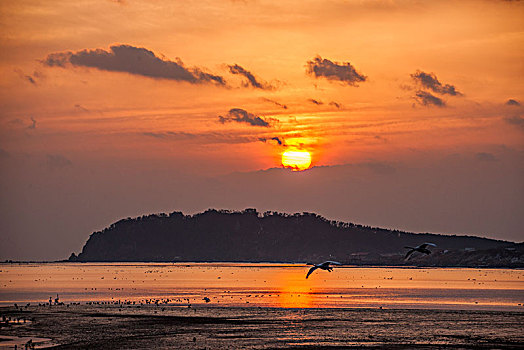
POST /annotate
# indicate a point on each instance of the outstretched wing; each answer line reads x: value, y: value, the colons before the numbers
x: 425, y: 245
x: 332, y: 262
x: 409, y: 254
x: 311, y: 271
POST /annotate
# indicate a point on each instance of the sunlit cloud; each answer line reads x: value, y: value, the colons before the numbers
x: 132, y: 60
x: 334, y: 71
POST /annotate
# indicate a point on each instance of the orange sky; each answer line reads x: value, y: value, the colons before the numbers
x: 154, y: 116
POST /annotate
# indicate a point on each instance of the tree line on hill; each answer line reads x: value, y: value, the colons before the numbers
x: 250, y: 236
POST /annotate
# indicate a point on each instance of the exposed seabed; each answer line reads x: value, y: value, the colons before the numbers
x: 210, y: 327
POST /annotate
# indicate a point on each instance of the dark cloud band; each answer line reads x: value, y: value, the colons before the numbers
x: 133, y: 60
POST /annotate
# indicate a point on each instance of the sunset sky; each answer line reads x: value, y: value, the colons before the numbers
x: 412, y: 112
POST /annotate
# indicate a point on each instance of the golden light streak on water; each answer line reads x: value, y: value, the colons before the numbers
x: 264, y: 285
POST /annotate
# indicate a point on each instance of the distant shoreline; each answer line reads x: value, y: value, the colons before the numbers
x: 276, y: 263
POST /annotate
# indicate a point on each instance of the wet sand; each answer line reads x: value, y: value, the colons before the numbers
x: 210, y: 327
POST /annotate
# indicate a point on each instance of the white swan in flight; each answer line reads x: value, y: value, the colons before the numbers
x: 323, y: 266
x: 423, y: 248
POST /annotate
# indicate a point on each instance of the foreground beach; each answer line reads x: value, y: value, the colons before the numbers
x: 165, y: 327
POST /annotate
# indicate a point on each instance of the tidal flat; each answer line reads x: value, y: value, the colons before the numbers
x: 169, y: 327
x: 257, y: 306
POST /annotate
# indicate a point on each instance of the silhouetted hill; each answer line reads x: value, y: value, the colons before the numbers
x: 220, y: 235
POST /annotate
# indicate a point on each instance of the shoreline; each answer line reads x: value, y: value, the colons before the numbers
x: 272, y: 263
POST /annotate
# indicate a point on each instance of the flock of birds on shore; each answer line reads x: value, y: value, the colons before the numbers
x: 327, y: 265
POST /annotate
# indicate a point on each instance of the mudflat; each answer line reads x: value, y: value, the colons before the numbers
x: 211, y: 327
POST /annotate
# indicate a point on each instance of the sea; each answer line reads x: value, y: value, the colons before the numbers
x: 261, y: 285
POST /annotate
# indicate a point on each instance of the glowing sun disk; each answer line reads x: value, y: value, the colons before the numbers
x: 297, y: 160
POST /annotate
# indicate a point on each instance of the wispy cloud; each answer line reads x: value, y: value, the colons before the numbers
x: 251, y: 80
x: 57, y: 161
x: 132, y: 60
x: 316, y: 102
x: 430, y: 81
x: 515, y: 121
x: 210, y: 137
x: 486, y: 157
x: 427, y: 99
x: 30, y: 78
x: 175, y: 135
x: 279, y: 141
x: 335, y: 104
x: 275, y: 102
x: 343, y: 72
x: 242, y: 116
x: 33, y: 123
x: 82, y: 108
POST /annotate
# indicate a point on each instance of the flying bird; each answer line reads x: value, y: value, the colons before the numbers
x: 323, y: 266
x: 423, y: 248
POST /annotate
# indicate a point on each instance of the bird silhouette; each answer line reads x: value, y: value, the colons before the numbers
x: 423, y: 248
x: 323, y: 266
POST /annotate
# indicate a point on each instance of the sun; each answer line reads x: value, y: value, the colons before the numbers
x: 297, y: 160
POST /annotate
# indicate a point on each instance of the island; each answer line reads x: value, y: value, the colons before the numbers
x: 250, y: 236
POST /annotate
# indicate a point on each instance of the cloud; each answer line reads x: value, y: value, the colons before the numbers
x: 430, y: 81
x: 277, y: 139
x: 178, y: 135
x: 132, y: 60
x: 486, y: 157
x: 318, y: 103
x: 33, y: 125
x: 82, y: 108
x: 512, y: 102
x: 241, y: 116
x: 57, y: 161
x: 343, y: 72
x: 251, y: 80
x: 516, y: 121
x: 275, y: 102
x: 335, y: 104
x: 427, y: 99
x: 32, y: 79
x: 207, y: 137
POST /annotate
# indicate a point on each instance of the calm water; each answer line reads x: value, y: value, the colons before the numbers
x: 263, y: 285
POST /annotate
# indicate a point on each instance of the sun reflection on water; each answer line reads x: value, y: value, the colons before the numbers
x: 262, y: 285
